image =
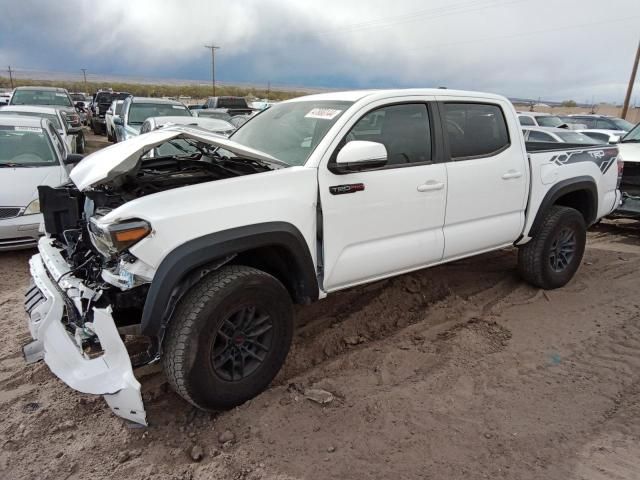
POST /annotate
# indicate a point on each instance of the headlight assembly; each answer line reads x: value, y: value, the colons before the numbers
x: 116, y: 237
x: 32, y: 208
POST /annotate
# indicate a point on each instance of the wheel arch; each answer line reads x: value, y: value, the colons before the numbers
x: 277, y: 248
x: 580, y: 193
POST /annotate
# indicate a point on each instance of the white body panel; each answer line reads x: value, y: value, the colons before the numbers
x: 286, y: 195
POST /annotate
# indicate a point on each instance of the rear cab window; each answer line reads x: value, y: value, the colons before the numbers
x: 475, y: 130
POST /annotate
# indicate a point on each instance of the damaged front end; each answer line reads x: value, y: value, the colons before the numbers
x: 83, y: 299
x: 88, y: 290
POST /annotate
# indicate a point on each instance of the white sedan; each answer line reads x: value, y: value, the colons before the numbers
x: 605, y: 136
x: 70, y: 135
x: 557, y: 135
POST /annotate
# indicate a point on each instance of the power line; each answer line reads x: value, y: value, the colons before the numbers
x: 213, y: 49
x: 84, y: 72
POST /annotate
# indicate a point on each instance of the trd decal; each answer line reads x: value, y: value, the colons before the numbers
x: 604, y: 158
x: 350, y: 188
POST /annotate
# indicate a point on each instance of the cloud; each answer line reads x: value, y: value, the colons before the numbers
x: 556, y: 50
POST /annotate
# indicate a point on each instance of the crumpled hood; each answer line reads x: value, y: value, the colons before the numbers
x: 19, y: 186
x: 111, y: 162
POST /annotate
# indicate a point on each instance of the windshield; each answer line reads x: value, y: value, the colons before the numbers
x: 575, y: 137
x: 622, y: 124
x: 139, y: 112
x: 40, y: 97
x: 291, y: 131
x: 549, y: 121
x: 49, y: 116
x: 77, y: 97
x: 25, y: 147
x: 633, y: 135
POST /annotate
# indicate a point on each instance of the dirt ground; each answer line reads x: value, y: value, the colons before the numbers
x: 458, y: 372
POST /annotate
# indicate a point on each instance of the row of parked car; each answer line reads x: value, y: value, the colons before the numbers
x: 42, y: 139
x: 43, y: 127
x: 544, y: 127
x: 120, y: 115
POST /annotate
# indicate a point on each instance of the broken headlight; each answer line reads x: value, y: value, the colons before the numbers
x: 115, y: 237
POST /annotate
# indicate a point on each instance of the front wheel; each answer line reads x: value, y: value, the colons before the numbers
x: 228, y: 337
x: 553, y: 256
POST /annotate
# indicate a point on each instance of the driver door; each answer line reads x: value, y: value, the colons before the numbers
x: 385, y: 221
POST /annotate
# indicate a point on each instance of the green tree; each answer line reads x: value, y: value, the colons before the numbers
x: 569, y: 103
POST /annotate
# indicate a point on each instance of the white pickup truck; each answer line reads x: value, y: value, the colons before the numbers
x: 201, y: 251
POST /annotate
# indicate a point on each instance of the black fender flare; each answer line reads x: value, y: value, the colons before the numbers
x: 187, y: 263
x: 583, y: 183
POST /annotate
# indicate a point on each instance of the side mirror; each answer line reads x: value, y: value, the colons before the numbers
x: 614, y: 139
x: 79, y: 105
x: 73, y: 159
x: 360, y: 155
x: 117, y: 120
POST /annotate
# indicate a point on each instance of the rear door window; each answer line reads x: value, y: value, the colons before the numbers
x: 475, y: 130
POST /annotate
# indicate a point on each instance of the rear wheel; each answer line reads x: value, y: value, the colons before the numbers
x: 228, y: 338
x: 553, y: 256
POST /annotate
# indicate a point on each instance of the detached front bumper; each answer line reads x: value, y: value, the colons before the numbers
x: 109, y: 374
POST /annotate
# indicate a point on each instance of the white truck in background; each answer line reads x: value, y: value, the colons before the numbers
x: 203, y: 252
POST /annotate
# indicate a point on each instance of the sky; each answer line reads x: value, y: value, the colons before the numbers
x: 553, y: 49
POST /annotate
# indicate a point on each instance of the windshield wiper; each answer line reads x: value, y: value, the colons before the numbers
x: 631, y: 140
x: 13, y: 165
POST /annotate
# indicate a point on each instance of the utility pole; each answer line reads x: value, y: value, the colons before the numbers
x: 268, y: 89
x: 11, y: 76
x: 632, y: 79
x: 213, y: 49
x: 84, y: 72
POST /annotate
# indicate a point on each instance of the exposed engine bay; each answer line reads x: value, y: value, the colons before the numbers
x: 99, y: 256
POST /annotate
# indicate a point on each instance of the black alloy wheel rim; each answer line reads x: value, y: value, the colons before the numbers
x: 563, y: 249
x: 242, y: 343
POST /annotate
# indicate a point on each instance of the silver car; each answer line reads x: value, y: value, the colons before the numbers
x: 32, y: 153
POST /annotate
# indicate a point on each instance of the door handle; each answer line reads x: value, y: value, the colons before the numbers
x: 511, y: 174
x: 430, y: 186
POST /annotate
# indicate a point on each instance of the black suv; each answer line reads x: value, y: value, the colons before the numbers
x: 101, y: 102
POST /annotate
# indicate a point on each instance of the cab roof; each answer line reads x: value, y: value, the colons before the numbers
x: 355, y: 95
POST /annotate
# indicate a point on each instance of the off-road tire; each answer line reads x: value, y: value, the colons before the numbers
x: 534, y: 262
x: 191, y: 336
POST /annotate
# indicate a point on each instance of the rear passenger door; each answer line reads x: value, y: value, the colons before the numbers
x: 487, y: 176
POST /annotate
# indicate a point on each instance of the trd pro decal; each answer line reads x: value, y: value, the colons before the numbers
x: 604, y: 158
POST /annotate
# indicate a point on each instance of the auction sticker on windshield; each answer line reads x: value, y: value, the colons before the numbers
x: 323, y: 113
x: 28, y: 129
